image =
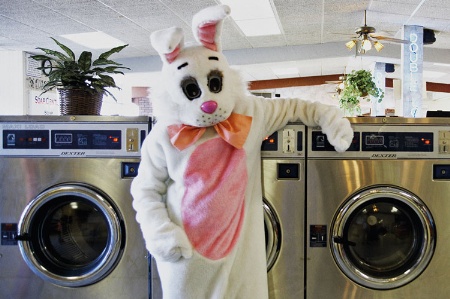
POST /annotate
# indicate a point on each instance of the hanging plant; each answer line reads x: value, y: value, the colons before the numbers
x: 358, y: 85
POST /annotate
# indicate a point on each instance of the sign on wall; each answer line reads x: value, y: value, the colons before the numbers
x: 412, y: 71
x: 39, y: 103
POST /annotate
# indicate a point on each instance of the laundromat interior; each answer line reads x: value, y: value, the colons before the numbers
x: 368, y: 222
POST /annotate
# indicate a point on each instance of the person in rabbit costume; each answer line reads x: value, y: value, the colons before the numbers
x: 198, y: 193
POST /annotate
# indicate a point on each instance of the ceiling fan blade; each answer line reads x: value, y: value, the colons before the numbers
x: 352, y: 35
x: 389, y: 39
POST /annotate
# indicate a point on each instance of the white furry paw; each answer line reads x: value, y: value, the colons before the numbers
x: 339, y: 134
x: 176, y: 253
x: 170, y: 247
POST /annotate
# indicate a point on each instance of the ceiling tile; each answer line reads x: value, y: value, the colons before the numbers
x: 324, y: 25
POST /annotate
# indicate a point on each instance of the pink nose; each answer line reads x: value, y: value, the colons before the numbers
x: 209, y: 107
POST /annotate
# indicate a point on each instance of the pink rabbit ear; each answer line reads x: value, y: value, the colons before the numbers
x: 207, y: 34
x: 170, y: 57
x: 168, y: 43
x: 207, y: 26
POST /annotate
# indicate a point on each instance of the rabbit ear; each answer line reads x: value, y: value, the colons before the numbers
x: 207, y: 26
x: 168, y: 43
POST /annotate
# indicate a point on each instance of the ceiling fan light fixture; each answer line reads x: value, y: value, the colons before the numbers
x: 350, y: 44
x: 378, y: 46
x: 366, y: 38
x: 366, y: 44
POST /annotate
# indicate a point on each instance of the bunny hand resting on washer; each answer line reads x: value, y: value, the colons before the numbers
x: 198, y: 193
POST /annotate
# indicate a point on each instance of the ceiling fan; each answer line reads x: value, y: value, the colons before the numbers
x: 366, y: 38
x: 340, y: 84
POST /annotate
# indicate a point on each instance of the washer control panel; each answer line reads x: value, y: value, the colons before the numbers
x: 72, y: 139
x: 385, y: 142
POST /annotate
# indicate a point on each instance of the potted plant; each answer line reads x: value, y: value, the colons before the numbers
x: 358, y: 85
x: 82, y: 82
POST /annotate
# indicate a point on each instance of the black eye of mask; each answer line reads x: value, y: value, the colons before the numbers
x: 215, y: 81
x: 190, y: 88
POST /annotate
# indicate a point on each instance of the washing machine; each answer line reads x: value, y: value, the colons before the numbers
x: 378, y: 215
x: 68, y: 229
x: 283, y: 179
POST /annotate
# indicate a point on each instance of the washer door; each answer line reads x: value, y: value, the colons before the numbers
x: 383, y: 237
x: 273, y: 234
x: 71, y: 235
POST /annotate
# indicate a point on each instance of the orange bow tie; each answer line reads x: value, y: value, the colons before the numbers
x: 233, y: 130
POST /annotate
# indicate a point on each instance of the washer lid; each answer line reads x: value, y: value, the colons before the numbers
x: 70, y: 235
x: 383, y: 237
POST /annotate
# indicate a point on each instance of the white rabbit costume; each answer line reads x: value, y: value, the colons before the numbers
x: 198, y: 194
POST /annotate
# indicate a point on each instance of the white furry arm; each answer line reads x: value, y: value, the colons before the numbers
x: 329, y: 118
x: 163, y: 238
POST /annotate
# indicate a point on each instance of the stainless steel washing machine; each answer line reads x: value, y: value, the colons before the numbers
x: 378, y: 215
x: 283, y: 174
x: 67, y: 226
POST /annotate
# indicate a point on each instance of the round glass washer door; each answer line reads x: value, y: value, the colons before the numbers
x: 272, y: 231
x: 71, y: 235
x: 383, y: 237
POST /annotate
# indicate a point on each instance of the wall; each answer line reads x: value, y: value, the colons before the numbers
x: 12, y: 85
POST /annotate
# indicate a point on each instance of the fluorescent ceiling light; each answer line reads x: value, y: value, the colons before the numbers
x: 254, y: 17
x: 94, y: 40
x: 259, y: 27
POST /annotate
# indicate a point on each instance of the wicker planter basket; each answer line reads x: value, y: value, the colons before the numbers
x: 79, y: 102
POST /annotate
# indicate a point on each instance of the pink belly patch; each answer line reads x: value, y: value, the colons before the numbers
x: 213, y: 204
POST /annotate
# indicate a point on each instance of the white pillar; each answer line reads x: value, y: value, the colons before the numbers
x: 397, y: 86
x: 412, y: 71
x: 379, y: 74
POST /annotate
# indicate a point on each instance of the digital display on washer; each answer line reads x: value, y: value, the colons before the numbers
x: 397, y: 141
x: 63, y: 138
x: 87, y: 139
x: 25, y: 139
x: 374, y: 140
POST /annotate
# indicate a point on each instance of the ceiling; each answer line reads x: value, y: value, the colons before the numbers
x: 313, y: 32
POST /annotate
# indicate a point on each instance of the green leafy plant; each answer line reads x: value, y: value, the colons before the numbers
x: 357, y: 85
x: 64, y: 71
